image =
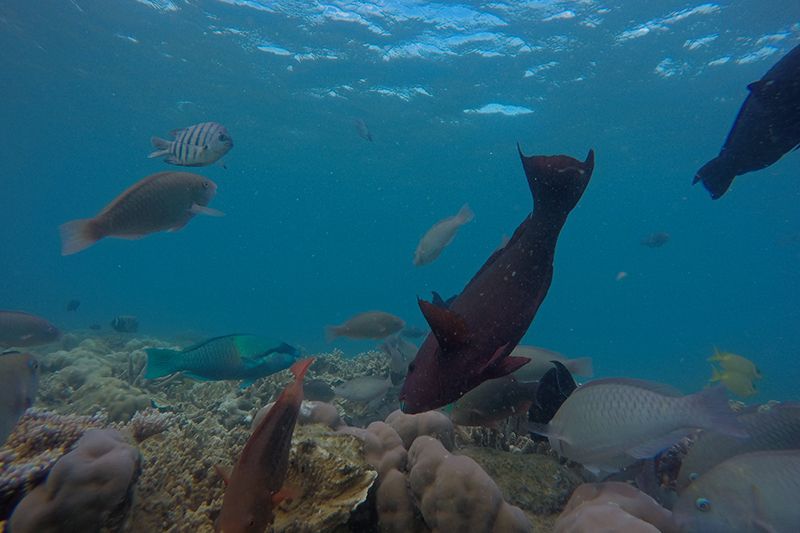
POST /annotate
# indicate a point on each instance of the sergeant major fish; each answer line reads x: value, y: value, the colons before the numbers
x: 194, y: 146
x: 440, y: 235
x: 165, y: 201
x: 245, y: 357
x: 254, y: 486
x: 19, y: 381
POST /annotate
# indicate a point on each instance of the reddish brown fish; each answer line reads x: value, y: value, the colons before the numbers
x: 472, y: 337
x: 23, y: 329
x: 165, y: 201
x: 254, y: 487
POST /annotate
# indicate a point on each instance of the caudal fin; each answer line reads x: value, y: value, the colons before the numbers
x: 78, y: 235
x: 710, y: 410
x: 465, y: 214
x: 716, y: 176
x: 556, y: 182
x: 161, y: 362
x: 161, y: 146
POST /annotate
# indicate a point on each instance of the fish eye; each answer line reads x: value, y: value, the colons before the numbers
x: 222, y: 137
x: 411, y: 367
x: 693, y: 476
x: 702, y: 504
x: 205, y: 185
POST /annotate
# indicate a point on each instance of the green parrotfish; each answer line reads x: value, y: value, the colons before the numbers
x: 244, y: 357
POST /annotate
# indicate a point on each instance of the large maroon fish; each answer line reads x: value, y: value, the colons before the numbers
x: 471, y: 339
x: 255, y: 484
x: 766, y: 128
x: 24, y: 329
x: 165, y: 201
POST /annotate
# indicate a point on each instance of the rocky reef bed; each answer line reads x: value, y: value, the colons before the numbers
x: 345, y: 478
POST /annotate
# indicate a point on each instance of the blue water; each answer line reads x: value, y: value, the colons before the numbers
x: 322, y: 224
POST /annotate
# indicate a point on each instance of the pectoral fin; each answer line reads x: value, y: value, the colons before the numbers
x: 198, y: 209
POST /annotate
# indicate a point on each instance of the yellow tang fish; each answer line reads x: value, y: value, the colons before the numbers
x: 739, y: 384
x: 736, y: 363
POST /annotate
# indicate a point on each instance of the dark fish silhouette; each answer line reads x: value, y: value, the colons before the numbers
x: 554, y: 388
x: 472, y: 338
x: 655, y: 240
x: 768, y: 126
x: 362, y: 129
x: 73, y: 305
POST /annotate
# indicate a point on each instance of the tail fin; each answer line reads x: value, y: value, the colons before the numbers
x: 711, y: 411
x: 716, y: 176
x: 161, y: 146
x: 161, y: 362
x: 331, y: 332
x: 465, y: 214
x: 78, y: 235
x: 582, y: 366
x: 556, y: 182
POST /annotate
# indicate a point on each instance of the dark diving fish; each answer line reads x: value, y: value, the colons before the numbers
x: 255, y: 485
x: 766, y: 128
x: 244, y: 357
x: 472, y: 339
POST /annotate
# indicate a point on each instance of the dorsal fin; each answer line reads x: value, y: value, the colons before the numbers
x: 449, y: 327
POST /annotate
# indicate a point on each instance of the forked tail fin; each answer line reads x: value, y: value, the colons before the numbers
x: 556, y: 182
x: 716, y: 176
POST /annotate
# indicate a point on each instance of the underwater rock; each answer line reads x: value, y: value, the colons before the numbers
x: 395, y: 506
x: 454, y: 493
x: 612, y: 506
x: 38, y: 441
x: 431, y: 423
x: 382, y: 446
x: 87, y: 488
x: 535, y: 483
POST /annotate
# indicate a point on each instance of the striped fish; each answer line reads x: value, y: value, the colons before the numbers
x: 195, y: 146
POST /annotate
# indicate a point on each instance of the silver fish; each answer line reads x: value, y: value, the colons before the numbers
x: 771, y: 427
x: 440, y: 235
x: 749, y: 492
x: 609, y: 424
x: 194, y: 146
x: 540, y: 363
x: 19, y: 381
x: 493, y: 400
x: 401, y: 352
x: 363, y: 388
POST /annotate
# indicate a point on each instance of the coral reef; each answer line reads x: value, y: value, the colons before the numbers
x: 38, y: 441
x: 612, y: 506
x: 431, y: 423
x: 455, y: 494
x: 149, y: 422
x: 87, y: 488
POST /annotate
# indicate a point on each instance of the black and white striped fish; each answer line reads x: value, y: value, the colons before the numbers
x: 195, y: 146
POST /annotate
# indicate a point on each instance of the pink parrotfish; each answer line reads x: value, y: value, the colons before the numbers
x: 255, y: 485
x: 472, y: 338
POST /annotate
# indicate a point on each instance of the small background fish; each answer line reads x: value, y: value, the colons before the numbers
x: 194, y: 146
x: 440, y: 235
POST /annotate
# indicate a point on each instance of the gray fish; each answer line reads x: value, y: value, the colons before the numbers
x: 363, y: 388
x: 752, y: 492
x: 492, y: 401
x: 362, y: 129
x: 401, y: 352
x: 24, y: 329
x: 655, y: 240
x: 609, y: 424
x: 165, y: 201
x: 19, y: 381
x: 194, y: 146
x: 125, y: 324
x: 73, y: 305
x: 771, y: 427
x: 369, y: 325
x: 318, y: 390
x: 440, y: 235
x: 540, y: 363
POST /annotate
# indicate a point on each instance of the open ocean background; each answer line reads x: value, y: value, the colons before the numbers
x: 322, y: 224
